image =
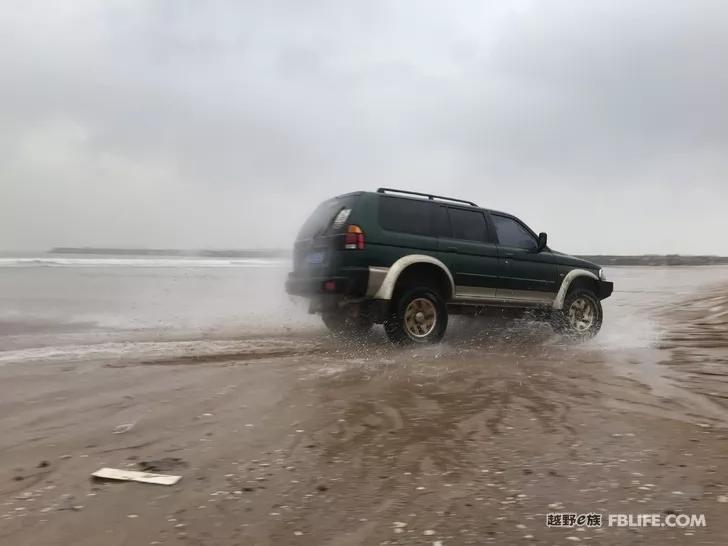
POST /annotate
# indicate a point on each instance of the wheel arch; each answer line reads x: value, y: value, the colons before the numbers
x: 574, y: 277
x: 412, y: 264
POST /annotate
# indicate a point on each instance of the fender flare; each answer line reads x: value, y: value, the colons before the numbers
x: 386, y: 289
x: 571, y: 276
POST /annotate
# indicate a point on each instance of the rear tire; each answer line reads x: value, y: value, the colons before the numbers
x: 581, y: 317
x: 347, y: 322
x: 419, y: 315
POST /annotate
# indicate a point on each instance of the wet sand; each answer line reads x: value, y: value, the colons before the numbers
x: 298, y: 439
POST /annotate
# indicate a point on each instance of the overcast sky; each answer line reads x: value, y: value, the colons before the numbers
x: 221, y: 124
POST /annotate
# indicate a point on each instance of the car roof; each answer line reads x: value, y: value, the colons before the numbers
x: 350, y: 194
x: 423, y: 198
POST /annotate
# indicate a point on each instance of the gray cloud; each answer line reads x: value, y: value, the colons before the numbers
x: 222, y: 124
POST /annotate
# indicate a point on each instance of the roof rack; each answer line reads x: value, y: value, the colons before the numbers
x: 429, y: 196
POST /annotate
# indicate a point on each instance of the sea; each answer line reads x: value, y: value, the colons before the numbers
x: 100, y: 305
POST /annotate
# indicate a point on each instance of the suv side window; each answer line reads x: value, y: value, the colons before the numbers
x: 405, y: 215
x: 468, y: 225
x: 441, y: 222
x: 512, y: 233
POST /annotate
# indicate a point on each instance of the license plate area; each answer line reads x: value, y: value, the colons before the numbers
x: 316, y: 258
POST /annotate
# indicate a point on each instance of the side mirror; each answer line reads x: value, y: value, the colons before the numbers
x: 542, y: 240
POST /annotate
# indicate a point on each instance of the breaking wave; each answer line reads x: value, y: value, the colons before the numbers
x: 142, y: 262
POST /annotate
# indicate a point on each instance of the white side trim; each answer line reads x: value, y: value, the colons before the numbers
x: 570, y: 276
x: 474, y: 292
x: 475, y: 295
x: 387, y: 288
x: 529, y: 296
x: 376, y: 278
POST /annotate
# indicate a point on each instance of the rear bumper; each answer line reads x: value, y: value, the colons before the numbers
x: 377, y: 310
x: 346, y: 282
x: 604, y: 289
x: 353, y: 285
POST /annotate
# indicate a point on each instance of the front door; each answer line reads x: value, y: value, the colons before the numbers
x: 526, y: 275
x: 471, y: 254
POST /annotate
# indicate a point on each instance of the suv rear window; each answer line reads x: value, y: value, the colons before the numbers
x: 405, y: 215
x: 323, y: 217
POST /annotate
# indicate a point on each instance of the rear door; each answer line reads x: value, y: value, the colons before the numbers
x: 526, y: 275
x: 314, y: 253
x: 469, y: 251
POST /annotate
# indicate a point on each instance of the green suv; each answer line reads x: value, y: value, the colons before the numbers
x: 408, y: 260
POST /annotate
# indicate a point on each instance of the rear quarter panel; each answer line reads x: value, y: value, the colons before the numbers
x: 383, y: 247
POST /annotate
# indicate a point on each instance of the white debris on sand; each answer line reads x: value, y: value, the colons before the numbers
x: 132, y: 475
x: 121, y: 429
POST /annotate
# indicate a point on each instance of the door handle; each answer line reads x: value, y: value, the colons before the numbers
x: 451, y: 249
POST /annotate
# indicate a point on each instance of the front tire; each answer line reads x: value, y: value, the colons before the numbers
x: 581, y: 317
x: 419, y: 316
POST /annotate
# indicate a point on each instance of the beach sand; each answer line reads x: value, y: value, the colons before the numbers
x: 295, y: 438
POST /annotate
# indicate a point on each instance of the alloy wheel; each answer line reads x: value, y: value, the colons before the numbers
x: 582, y: 314
x: 420, y: 317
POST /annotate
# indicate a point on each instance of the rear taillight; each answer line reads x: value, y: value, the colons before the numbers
x: 354, y: 238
